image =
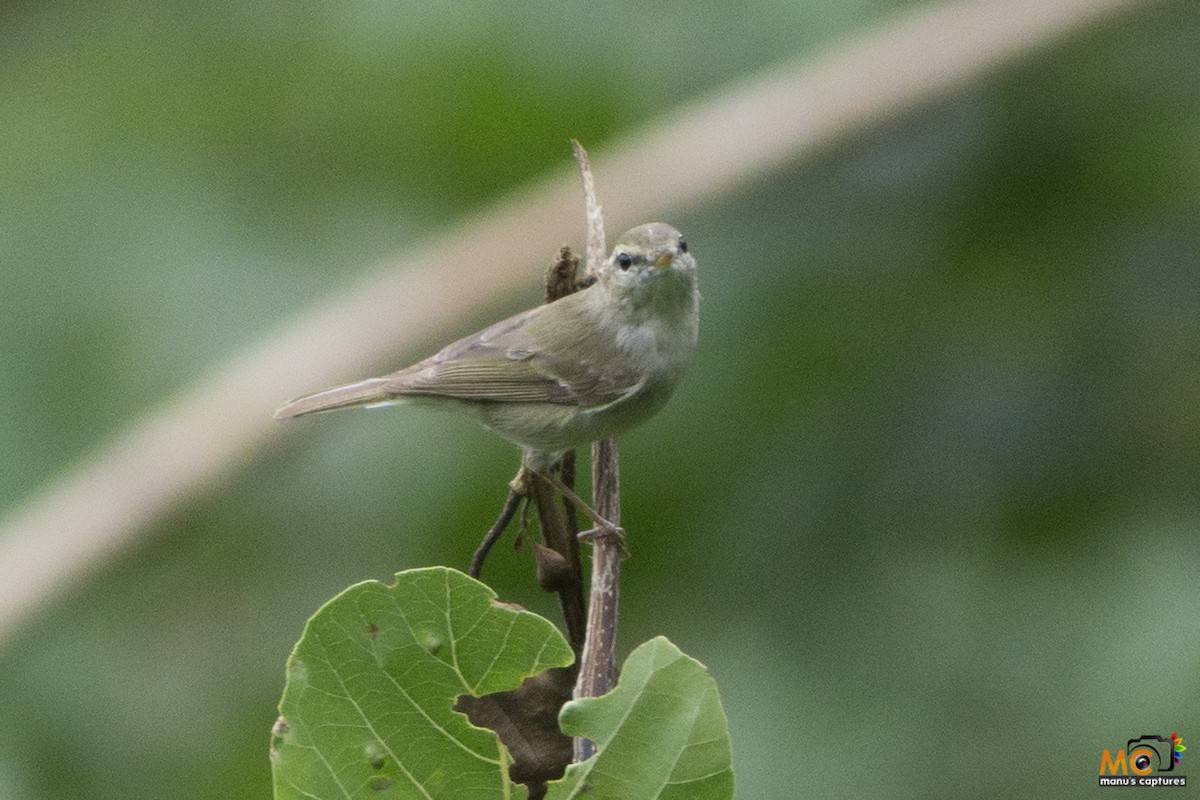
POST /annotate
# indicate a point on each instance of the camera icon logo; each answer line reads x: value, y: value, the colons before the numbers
x: 1151, y: 754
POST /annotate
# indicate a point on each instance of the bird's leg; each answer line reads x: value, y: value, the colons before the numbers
x: 521, y: 484
x: 603, y: 528
x: 518, y: 490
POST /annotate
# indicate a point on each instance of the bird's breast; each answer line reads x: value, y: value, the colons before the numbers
x: 656, y: 347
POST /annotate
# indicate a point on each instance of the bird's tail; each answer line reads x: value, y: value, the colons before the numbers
x: 364, y: 393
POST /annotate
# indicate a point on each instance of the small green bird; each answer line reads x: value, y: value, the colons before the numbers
x: 589, y: 366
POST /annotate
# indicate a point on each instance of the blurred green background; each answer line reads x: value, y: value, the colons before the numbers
x: 926, y: 504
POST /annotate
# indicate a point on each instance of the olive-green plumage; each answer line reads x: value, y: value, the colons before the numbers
x: 588, y: 366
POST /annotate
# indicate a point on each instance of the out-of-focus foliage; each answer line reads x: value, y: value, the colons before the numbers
x: 926, y: 505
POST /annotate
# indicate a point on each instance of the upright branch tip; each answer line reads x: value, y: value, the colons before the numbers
x: 595, y: 215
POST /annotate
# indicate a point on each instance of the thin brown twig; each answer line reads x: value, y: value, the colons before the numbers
x: 597, y: 664
x: 493, y: 535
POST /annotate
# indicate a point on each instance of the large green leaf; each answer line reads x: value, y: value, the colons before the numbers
x: 368, y: 707
x: 661, y: 733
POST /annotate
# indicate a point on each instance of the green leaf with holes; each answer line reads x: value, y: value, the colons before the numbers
x: 661, y: 734
x: 367, y: 711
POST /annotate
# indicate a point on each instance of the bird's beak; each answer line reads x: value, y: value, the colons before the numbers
x: 664, y: 258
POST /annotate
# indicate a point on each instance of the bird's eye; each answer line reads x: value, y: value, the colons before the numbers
x: 682, y: 245
x: 624, y: 260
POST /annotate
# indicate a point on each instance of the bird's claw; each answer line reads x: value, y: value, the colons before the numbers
x: 608, y: 531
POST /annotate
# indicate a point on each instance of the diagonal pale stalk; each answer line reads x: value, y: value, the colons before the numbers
x: 682, y: 161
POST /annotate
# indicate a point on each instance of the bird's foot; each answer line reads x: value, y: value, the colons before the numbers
x: 607, y: 531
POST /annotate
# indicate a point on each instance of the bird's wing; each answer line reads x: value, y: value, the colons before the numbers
x: 515, y: 361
